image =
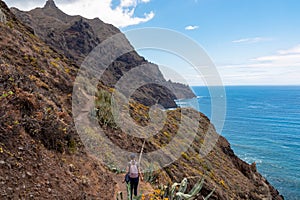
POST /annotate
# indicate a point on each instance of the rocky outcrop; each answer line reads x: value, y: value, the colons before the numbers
x: 2, y: 17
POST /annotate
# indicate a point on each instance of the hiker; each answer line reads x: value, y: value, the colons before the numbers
x: 134, y: 174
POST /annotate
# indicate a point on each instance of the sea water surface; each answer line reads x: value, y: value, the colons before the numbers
x: 263, y: 126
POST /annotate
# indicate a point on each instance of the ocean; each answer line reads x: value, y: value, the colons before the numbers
x: 263, y: 126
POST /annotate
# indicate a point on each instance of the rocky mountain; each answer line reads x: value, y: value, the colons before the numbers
x: 76, y: 37
x: 42, y: 156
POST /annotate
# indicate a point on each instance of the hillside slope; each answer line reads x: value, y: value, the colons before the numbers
x: 37, y: 135
x: 223, y: 171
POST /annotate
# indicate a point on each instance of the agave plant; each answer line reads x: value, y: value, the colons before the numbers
x: 173, y: 194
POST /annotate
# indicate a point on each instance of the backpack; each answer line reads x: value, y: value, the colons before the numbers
x: 133, y: 170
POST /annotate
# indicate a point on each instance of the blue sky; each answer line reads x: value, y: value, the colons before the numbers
x: 252, y: 42
x: 245, y: 38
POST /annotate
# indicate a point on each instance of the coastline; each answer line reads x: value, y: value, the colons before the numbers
x: 248, y: 152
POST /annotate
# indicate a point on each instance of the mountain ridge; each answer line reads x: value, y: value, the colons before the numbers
x: 76, y: 37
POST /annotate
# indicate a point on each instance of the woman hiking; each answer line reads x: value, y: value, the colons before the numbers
x: 134, y: 172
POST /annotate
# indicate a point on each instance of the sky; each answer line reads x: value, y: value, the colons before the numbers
x: 251, y: 42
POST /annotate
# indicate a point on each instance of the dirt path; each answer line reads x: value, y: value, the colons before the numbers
x: 143, y: 188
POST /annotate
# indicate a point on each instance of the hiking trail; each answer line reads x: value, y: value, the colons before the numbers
x: 143, y: 188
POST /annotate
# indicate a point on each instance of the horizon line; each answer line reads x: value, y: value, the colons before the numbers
x: 294, y: 85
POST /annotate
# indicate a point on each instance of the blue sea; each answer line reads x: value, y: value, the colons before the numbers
x: 263, y: 126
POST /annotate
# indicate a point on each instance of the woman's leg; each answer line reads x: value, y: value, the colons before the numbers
x: 136, y: 183
x: 131, y: 187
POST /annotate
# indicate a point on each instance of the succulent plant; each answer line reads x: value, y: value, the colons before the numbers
x: 180, y: 194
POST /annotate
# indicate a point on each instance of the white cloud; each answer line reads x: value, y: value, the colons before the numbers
x: 251, y: 40
x: 189, y: 28
x: 288, y: 57
x: 24, y: 5
x: 121, y: 16
x: 281, y: 68
x: 294, y: 50
x: 129, y: 3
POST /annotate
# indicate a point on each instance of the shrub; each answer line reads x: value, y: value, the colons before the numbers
x: 103, y: 109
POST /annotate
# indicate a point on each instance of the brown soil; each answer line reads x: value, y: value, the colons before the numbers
x: 143, y: 188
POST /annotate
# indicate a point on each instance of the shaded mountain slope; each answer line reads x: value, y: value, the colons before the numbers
x: 37, y: 135
x: 76, y: 37
x: 72, y: 35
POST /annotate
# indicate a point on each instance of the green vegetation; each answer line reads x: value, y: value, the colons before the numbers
x: 6, y: 94
x: 10, y: 24
x: 177, y: 191
x: 149, y: 175
x: 103, y: 109
x: 72, y: 145
x: 185, y: 156
x: 112, y: 167
x: 54, y: 64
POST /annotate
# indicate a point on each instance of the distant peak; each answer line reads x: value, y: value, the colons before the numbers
x: 50, y: 4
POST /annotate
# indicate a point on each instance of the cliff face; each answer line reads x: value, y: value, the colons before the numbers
x: 76, y: 37
x: 42, y: 157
